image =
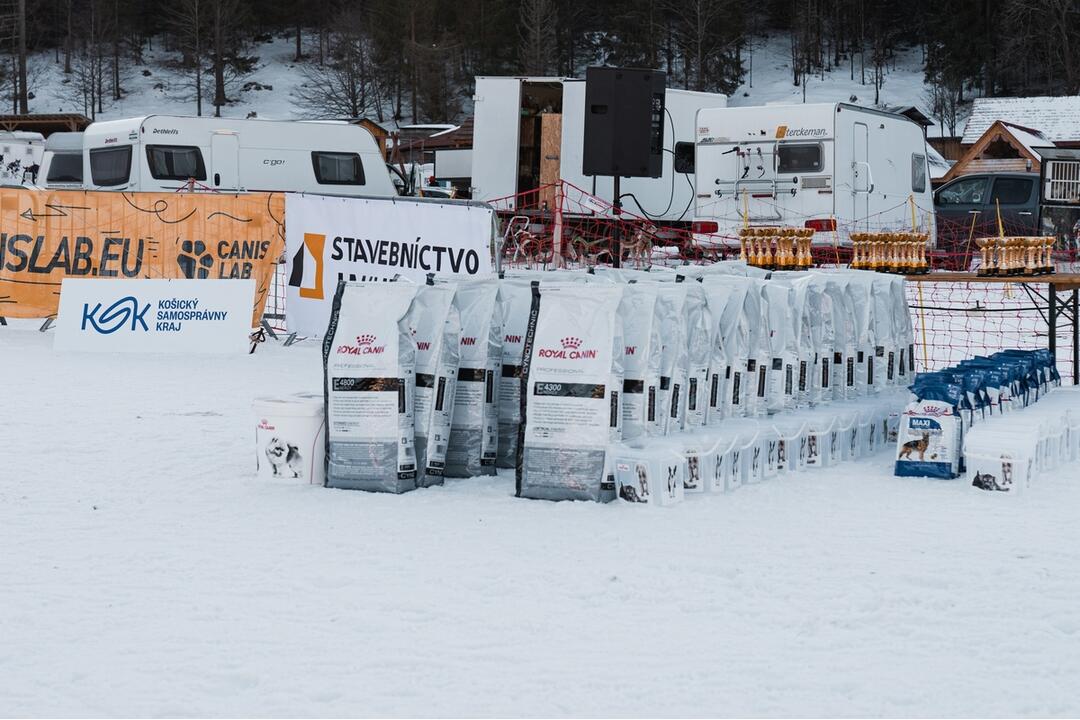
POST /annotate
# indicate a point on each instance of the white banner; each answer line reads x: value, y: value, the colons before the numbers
x: 188, y: 316
x: 332, y: 238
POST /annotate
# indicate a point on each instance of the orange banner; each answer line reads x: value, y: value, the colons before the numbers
x: 46, y: 236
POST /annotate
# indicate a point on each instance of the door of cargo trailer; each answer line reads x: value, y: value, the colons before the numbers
x: 497, y: 123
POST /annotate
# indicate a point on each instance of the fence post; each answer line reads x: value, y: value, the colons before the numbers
x: 557, y: 236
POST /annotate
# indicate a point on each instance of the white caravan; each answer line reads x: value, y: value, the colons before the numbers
x: 20, y: 157
x: 827, y: 166
x: 528, y: 132
x: 62, y: 163
x: 164, y: 152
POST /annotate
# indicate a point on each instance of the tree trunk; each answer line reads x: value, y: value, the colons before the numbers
x: 21, y: 19
x: 197, y: 28
x: 299, y: 49
x: 67, y: 41
x: 116, y: 51
x: 219, y: 60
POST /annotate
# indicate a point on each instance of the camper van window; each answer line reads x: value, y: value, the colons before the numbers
x: 684, y: 157
x: 175, y: 162
x: 110, y: 166
x: 337, y: 168
x: 918, y: 173
x: 65, y: 167
x: 802, y: 158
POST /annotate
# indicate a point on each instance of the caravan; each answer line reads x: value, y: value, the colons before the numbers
x: 528, y: 133
x: 20, y: 157
x: 167, y: 153
x: 833, y: 167
x: 62, y: 163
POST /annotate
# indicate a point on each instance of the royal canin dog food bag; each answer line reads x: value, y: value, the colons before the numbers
x: 572, y: 379
x: 369, y: 364
x: 474, y: 437
x: 515, y: 299
x: 437, y: 333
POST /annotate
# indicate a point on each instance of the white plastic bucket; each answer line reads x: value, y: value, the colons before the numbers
x: 290, y: 437
x: 649, y: 471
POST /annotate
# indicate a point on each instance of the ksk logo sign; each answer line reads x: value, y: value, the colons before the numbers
x: 119, y: 315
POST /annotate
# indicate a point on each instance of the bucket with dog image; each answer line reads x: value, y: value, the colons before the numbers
x: 650, y: 470
x: 290, y: 437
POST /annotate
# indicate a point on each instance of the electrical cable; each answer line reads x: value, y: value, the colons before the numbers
x: 671, y: 195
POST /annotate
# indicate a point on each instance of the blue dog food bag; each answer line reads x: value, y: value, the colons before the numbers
x: 931, y: 430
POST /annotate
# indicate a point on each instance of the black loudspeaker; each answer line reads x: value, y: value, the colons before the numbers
x: 624, y: 122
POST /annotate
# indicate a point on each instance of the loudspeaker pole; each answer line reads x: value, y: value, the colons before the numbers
x: 616, y: 207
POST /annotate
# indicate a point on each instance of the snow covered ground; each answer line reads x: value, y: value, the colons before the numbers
x: 147, y: 572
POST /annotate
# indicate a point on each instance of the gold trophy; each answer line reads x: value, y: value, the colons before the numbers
x: 894, y: 242
x: 1046, y: 263
x: 783, y: 259
x: 1007, y: 264
x: 805, y: 258
x: 985, y: 250
x: 1031, y: 244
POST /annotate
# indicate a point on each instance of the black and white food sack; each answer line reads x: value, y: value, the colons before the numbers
x: 642, y: 353
x: 474, y: 436
x: 437, y: 334
x: 570, y: 409
x: 701, y: 335
x: 369, y: 361
x: 784, y: 314
x: 515, y: 299
x: 757, y: 366
x: 727, y: 370
x: 674, y: 358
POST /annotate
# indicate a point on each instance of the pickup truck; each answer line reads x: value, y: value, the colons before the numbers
x: 977, y: 198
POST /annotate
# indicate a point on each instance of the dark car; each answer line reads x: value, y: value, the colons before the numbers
x: 976, y: 198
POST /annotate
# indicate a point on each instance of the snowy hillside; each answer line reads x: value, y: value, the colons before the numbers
x: 157, y: 87
x: 770, y: 81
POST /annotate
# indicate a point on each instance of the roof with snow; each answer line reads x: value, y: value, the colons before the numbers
x: 937, y: 162
x: 912, y: 112
x: 1004, y: 147
x: 1058, y: 118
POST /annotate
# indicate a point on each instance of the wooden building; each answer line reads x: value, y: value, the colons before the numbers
x: 1004, y: 147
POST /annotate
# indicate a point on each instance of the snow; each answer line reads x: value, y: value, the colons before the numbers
x: 275, y: 67
x: 939, y: 166
x: 1057, y: 118
x: 147, y: 572
x: 1030, y: 139
x: 771, y: 83
x: 904, y: 83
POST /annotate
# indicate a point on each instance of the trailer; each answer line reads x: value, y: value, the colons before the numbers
x: 62, y: 162
x: 833, y: 167
x: 20, y: 157
x: 165, y: 152
x: 1059, y: 196
x: 528, y: 135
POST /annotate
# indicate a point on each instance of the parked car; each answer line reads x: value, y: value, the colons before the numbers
x: 976, y: 198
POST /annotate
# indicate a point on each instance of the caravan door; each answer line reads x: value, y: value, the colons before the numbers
x: 225, y: 160
x: 862, y: 180
x: 496, y: 126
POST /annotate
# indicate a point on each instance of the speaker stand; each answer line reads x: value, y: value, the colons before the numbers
x: 616, y: 207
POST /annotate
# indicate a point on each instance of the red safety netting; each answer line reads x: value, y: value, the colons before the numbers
x: 953, y: 320
x: 561, y: 225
